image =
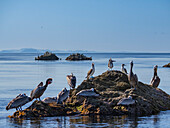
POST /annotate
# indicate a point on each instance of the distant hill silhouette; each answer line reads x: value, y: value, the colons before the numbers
x: 32, y: 50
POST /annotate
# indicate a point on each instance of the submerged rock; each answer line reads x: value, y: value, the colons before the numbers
x: 112, y: 87
x: 78, y: 56
x: 167, y: 65
x: 47, y: 56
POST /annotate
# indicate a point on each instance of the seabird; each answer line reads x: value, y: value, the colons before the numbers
x: 126, y: 101
x: 123, y: 69
x: 87, y: 93
x: 71, y: 79
x: 18, y: 102
x: 39, y: 90
x: 63, y: 95
x: 110, y: 63
x: 133, y: 79
x: 90, y: 72
x: 155, y: 80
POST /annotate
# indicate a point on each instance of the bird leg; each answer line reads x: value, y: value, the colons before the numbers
x: 16, y: 109
x: 39, y: 99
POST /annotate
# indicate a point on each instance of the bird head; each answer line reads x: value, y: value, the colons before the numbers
x: 92, y: 64
x: 49, y: 81
x: 123, y: 65
x: 131, y: 63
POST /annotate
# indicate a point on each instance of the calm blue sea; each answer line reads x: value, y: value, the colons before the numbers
x: 20, y: 73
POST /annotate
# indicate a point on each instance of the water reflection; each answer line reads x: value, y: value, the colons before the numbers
x: 87, y: 121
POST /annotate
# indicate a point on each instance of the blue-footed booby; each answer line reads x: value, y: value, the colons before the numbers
x: 90, y: 72
x: 123, y: 69
x: 110, y: 63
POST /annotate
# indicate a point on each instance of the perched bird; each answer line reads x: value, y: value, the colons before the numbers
x: 155, y: 80
x: 123, y: 69
x: 126, y: 101
x: 18, y: 102
x: 71, y: 79
x: 110, y: 63
x: 133, y: 79
x: 39, y: 90
x: 90, y: 72
x: 87, y: 93
x: 63, y: 95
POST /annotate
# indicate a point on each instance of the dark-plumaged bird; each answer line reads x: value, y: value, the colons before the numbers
x: 155, y: 79
x: 18, y: 102
x: 133, y: 79
x: 110, y: 63
x: 90, y: 72
x: 123, y: 69
x: 71, y: 79
x: 39, y: 90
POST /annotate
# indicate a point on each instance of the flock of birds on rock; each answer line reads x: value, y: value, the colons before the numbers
x: 22, y: 99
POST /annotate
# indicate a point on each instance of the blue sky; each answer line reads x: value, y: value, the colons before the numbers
x: 95, y: 25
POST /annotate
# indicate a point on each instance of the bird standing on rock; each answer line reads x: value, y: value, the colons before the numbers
x: 123, y: 69
x: 155, y: 80
x: 39, y: 90
x: 18, y: 102
x: 110, y: 63
x: 133, y: 79
x: 71, y: 79
x: 90, y: 72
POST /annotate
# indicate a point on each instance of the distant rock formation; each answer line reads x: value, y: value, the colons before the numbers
x: 167, y: 65
x: 78, y: 57
x: 47, y: 56
x: 111, y: 87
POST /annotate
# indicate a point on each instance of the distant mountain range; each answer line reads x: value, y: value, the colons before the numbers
x: 32, y: 50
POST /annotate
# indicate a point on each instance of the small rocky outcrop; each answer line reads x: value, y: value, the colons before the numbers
x: 111, y: 86
x: 77, y: 57
x: 47, y: 56
x: 167, y: 65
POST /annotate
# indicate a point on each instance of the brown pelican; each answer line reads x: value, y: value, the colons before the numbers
x: 90, y: 72
x: 155, y: 80
x: 63, y: 95
x: 18, y: 102
x: 87, y: 92
x: 39, y: 90
x: 71, y: 79
x: 133, y: 79
x: 110, y: 63
x: 123, y: 69
x: 126, y: 101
